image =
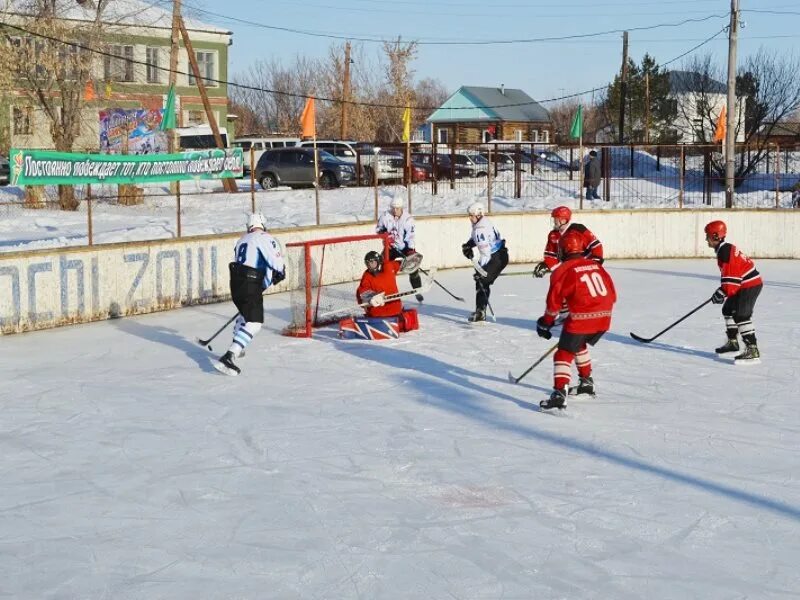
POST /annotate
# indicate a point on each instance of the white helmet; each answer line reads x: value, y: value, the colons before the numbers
x: 256, y: 220
x: 396, y: 203
x: 475, y: 210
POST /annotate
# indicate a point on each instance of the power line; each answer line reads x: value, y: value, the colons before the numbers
x: 421, y: 41
x: 324, y: 99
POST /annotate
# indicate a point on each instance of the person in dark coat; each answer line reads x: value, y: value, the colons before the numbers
x: 592, y: 176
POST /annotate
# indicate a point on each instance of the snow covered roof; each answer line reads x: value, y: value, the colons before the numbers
x: 137, y: 13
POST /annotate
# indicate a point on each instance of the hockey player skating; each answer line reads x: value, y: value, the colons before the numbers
x: 588, y: 291
x: 400, y: 227
x: 740, y: 286
x: 492, y: 257
x: 378, y: 281
x: 562, y: 217
x: 258, y: 264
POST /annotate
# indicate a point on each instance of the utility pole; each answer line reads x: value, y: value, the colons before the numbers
x: 173, y: 61
x: 730, y: 129
x: 345, y: 92
x: 647, y: 107
x: 623, y: 88
x: 228, y: 184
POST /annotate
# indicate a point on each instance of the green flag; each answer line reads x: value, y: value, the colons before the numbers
x: 576, y: 130
x: 168, y: 118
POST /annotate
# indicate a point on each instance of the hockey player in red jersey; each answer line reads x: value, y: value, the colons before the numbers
x: 562, y: 216
x: 740, y: 285
x: 588, y: 291
x: 378, y: 281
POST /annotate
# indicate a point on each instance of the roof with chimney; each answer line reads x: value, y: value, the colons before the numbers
x: 472, y: 103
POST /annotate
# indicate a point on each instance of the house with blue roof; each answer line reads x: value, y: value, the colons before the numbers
x: 475, y: 115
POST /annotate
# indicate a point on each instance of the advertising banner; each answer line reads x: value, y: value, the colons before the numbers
x: 135, y: 131
x: 45, y: 167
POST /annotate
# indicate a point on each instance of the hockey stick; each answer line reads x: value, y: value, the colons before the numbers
x: 482, y: 272
x: 513, y: 379
x: 517, y: 273
x: 220, y: 330
x: 452, y: 295
x: 683, y: 318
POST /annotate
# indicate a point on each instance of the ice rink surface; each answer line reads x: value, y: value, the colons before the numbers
x: 408, y: 469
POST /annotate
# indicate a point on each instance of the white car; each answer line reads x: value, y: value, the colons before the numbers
x: 387, y: 167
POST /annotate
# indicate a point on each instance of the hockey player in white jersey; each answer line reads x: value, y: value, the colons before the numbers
x: 492, y: 257
x: 258, y: 264
x: 400, y: 227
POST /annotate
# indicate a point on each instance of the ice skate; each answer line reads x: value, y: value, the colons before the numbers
x: 226, y: 366
x: 750, y: 356
x: 729, y: 346
x: 478, y: 316
x: 558, y: 399
x: 585, y: 386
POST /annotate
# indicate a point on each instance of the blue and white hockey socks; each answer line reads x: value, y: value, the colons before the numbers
x: 243, y: 334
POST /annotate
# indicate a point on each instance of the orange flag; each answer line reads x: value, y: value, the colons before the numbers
x: 722, y: 122
x: 88, y: 91
x: 308, y: 119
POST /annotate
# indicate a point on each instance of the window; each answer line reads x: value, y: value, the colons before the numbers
x: 441, y: 135
x: 195, y: 117
x: 518, y: 135
x: 22, y: 120
x: 534, y: 135
x: 486, y: 136
x: 243, y: 145
x: 545, y: 137
x: 119, y: 67
x: 153, y: 64
x: 205, y: 64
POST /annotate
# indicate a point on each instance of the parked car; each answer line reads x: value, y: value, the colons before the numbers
x: 475, y: 164
x: 295, y: 167
x: 260, y: 145
x: 502, y: 160
x: 550, y: 160
x: 200, y: 137
x: 5, y: 171
x: 370, y: 157
x: 443, y: 165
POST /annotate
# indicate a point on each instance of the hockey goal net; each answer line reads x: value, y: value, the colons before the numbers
x: 323, y: 276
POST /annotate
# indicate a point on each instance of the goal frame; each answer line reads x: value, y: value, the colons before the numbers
x: 305, y: 330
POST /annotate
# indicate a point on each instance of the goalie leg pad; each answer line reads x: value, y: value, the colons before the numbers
x: 369, y: 328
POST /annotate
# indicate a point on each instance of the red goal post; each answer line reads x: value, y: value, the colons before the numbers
x: 323, y: 276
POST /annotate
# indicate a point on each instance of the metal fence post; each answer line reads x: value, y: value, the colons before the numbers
x: 517, y: 173
x: 682, y: 169
x: 178, y: 203
x: 489, y: 183
x: 777, y: 175
x: 89, y: 211
x: 252, y: 179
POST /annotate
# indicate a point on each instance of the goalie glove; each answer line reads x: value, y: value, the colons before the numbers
x: 540, y: 270
x: 378, y: 300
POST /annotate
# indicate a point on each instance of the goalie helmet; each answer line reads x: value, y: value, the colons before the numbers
x: 256, y: 221
x: 716, y: 230
x: 475, y: 210
x: 370, y: 256
x: 571, y: 244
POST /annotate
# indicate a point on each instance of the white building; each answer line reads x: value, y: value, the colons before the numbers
x: 699, y: 100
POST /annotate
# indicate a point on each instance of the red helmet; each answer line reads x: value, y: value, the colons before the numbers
x: 716, y: 230
x: 561, y: 212
x: 571, y: 243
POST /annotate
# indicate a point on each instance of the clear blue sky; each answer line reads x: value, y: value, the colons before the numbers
x: 543, y: 69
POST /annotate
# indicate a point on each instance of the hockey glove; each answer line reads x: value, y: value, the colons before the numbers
x: 278, y: 276
x: 378, y: 300
x: 466, y: 250
x: 479, y: 278
x: 540, y: 270
x: 543, y: 329
x: 718, y: 297
x: 409, y: 251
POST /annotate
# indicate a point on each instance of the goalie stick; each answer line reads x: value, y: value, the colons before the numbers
x: 349, y: 309
x: 683, y: 318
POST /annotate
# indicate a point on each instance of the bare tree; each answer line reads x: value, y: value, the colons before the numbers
x: 768, y: 88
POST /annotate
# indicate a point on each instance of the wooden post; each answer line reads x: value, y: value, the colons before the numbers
x: 434, y: 162
x: 375, y: 180
x: 316, y: 174
x: 580, y: 171
x: 345, y: 91
x: 682, y: 171
x: 489, y: 183
x: 647, y: 107
x: 89, y: 211
x: 178, y: 204
x: 173, y: 59
x: 623, y: 88
x: 229, y: 184
x: 252, y: 179
x: 410, y: 172
x: 517, y: 172
x: 777, y: 175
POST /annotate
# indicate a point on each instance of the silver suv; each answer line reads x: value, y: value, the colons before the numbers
x: 372, y: 160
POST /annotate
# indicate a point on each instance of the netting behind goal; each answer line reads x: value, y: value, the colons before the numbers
x: 323, y: 276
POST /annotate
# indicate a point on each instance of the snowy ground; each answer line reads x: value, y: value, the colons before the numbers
x: 407, y: 469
